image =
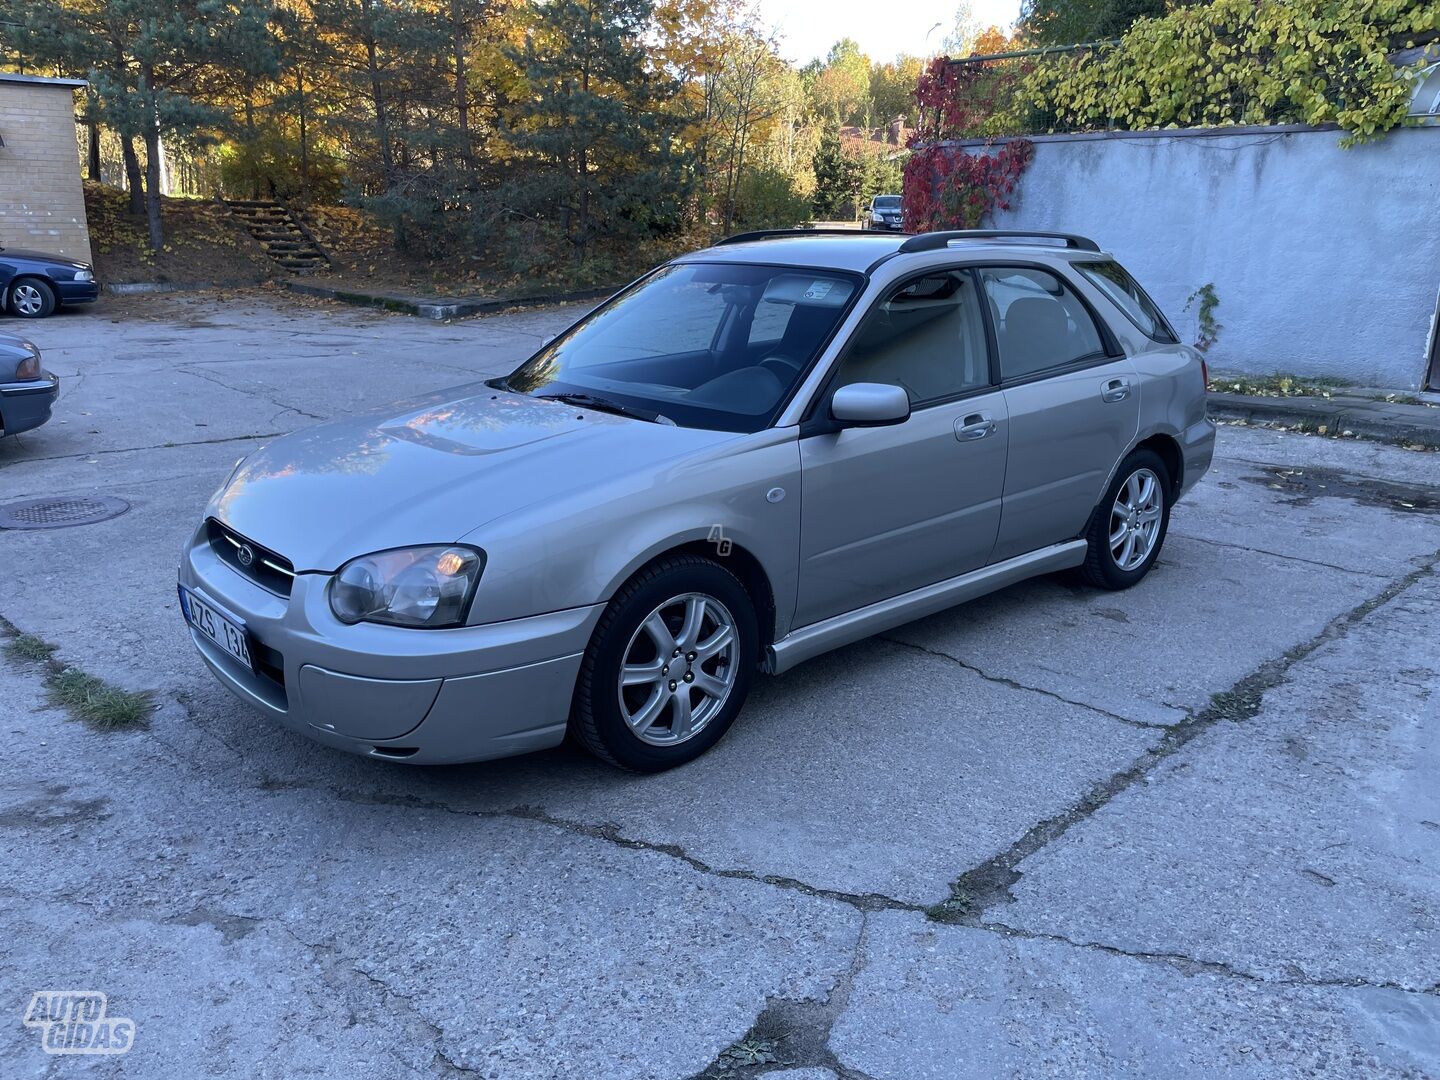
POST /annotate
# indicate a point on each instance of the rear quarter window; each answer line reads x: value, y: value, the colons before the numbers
x: 1125, y: 293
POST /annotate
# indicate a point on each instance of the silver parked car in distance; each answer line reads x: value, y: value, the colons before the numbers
x: 754, y: 454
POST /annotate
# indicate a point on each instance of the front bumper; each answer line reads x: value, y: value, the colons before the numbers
x: 419, y: 696
x: 27, y: 405
x: 77, y: 292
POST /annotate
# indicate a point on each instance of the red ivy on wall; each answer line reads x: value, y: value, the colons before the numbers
x: 947, y: 187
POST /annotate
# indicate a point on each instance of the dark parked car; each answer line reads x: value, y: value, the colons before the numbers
x: 27, y: 391
x: 33, y: 284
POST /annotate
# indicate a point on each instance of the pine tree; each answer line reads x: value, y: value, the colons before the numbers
x: 593, y: 127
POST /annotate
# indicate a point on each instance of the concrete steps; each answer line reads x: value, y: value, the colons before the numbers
x: 281, y: 234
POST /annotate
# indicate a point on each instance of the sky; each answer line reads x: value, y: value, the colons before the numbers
x: 883, y: 29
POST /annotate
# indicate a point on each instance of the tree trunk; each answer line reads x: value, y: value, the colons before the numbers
x: 377, y: 95
x: 92, y: 150
x: 152, y: 163
x: 250, y: 140
x: 132, y: 174
x: 462, y: 92
x: 304, y: 142
x: 92, y: 138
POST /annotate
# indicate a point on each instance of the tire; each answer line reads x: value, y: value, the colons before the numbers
x: 1109, y: 563
x: 30, y: 298
x: 641, y: 725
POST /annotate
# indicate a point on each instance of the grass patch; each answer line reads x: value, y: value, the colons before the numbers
x: 96, y: 703
x: 86, y: 697
x: 29, y: 647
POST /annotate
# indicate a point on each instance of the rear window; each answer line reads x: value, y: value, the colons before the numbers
x: 1111, y: 279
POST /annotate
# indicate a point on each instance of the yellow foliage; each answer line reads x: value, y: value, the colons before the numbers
x: 1237, y: 62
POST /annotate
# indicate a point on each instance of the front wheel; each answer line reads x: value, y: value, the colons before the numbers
x: 31, y: 298
x: 668, y: 667
x: 1129, y: 526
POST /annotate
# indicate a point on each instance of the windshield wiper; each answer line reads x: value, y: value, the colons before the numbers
x: 591, y: 401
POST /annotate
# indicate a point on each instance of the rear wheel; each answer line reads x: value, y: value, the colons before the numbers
x: 1129, y: 526
x: 31, y: 298
x: 668, y: 667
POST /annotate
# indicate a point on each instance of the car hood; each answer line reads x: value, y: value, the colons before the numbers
x: 431, y: 470
x: 16, y: 348
x: 42, y: 257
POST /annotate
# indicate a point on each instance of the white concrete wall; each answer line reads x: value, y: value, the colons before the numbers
x: 1325, y: 261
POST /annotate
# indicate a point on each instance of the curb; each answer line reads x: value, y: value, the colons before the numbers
x: 448, y: 307
x: 1385, y: 421
x: 131, y: 288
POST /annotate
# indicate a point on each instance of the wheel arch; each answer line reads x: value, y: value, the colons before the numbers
x: 733, y: 556
x: 1168, y: 448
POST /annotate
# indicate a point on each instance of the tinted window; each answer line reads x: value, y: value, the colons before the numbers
x: 1039, y: 321
x: 684, y: 343
x: 887, y: 202
x: 927, y: 336
x: 1111, y: 279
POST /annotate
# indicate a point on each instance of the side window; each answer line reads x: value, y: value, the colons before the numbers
x: 927, y: 336
x: 1039, y: 321
x: 1111, y: 279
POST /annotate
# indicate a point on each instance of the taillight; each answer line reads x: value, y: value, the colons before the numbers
x: 1205, y: 373
x: 29, y: 368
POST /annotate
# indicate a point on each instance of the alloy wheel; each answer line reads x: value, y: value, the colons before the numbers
x: 678, y: 670
x: 1135, y: 519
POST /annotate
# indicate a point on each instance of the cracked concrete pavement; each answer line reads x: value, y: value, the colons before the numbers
x: 1186, y: 830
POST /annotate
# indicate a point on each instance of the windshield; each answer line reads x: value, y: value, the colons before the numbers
x: 887, y: 202
x: 707, y: 345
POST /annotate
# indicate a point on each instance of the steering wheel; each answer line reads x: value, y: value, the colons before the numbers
x: 782, y: 367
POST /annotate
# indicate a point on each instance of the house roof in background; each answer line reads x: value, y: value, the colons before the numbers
x: 41, y: 80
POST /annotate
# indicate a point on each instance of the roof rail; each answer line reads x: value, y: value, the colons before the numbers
x: 772, y: 234
x: 936, y: 241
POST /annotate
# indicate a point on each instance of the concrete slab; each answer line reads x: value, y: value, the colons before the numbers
x: 876, y: 770
x: 268, y: 930
x: 1301, y: 843
x: 1081, y: 644
x: 951, y: 1003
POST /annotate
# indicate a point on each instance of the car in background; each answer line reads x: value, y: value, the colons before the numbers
x: 754, y: 454
x: 27, y: 390
x: 884, y: 212
x: 33, y: 284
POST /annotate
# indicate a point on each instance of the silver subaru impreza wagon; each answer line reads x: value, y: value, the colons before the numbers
x: 754, y: 454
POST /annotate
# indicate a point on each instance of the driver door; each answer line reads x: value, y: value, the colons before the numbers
x: 889, y: 509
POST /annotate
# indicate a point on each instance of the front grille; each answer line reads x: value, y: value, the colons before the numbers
x: 264, y: 567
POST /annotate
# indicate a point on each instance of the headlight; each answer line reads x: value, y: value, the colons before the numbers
x: 28, y: 369
x: 422, y: 586
x: 84, y: 275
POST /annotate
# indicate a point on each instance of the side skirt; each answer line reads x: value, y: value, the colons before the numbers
x: 809, y: 641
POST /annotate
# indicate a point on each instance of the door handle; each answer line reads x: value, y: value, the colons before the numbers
x: 1115, y: 390
x: 975, y: 426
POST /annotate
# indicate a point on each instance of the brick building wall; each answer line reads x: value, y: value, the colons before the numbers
x: 42, y: 203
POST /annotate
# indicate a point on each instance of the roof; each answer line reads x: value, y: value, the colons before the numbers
x: 42, y: 80
x: 854, y: 252
x: 859, y: 251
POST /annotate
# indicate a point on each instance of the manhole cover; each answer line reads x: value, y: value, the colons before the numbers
x: 60, y: 513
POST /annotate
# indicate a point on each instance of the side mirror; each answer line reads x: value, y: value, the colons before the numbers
x: 870, y: 405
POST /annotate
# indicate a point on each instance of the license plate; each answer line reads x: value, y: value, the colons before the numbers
x: 224, y: 631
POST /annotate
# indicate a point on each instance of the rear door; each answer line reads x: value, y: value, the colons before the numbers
x: 1073, y: 402
x: 890, y: 509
